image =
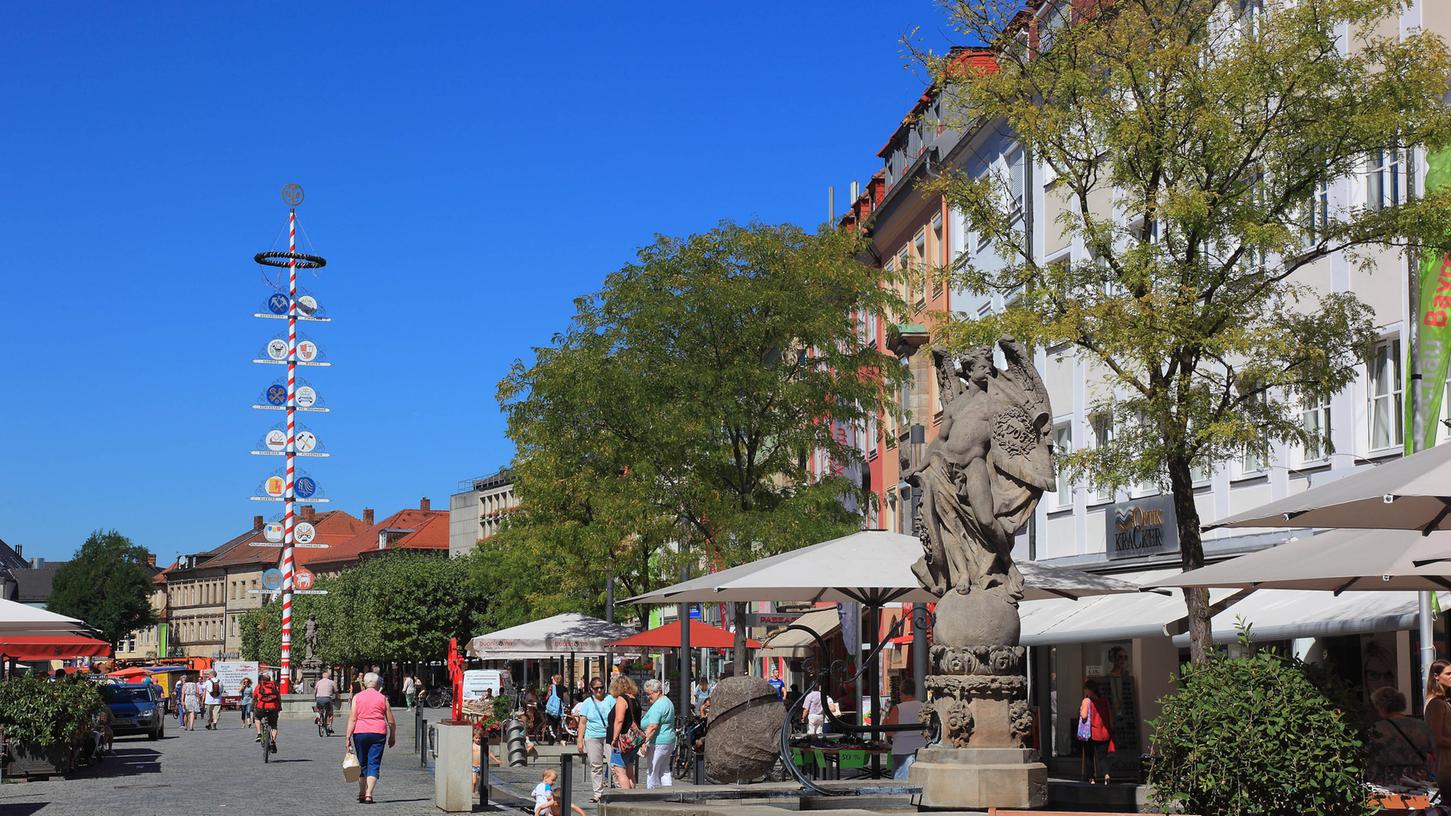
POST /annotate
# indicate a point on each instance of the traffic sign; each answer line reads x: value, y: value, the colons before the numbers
x: 304, y: 532
x: 272, y: 579
x: 304, y: 487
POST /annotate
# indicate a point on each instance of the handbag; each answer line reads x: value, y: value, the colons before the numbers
x: 352, y: 769
x: 1085, y: 730
x: 630, y: 741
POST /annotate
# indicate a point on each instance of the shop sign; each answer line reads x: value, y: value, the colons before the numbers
x: 1142, y: 527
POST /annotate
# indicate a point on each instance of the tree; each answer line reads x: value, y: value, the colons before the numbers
x: 106, y: 585
x: 392, y: 607
x: 672, y: 422
x: 1211, y: 130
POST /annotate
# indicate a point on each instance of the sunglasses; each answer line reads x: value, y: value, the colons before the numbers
x: 596, y: 688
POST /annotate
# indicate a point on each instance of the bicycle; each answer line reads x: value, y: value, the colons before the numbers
x: 268, y: 749
x: 324, y: 719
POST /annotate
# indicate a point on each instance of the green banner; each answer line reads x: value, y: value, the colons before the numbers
x: 162, y: 646
x: 1433, y: 314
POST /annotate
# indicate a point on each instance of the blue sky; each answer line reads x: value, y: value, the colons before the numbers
x: 470, y: 168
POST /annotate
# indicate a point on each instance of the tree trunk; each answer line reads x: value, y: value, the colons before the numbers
x: 1191, y: 555
x: 738, y: 656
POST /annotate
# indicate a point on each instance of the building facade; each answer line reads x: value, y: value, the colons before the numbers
x: 476, y: 512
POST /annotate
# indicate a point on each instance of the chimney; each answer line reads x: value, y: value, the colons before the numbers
x: 368, y: 516
x: 20, y: 550
x: 151, y: 560
x: 423, y: 503
x: 307, y: 512
x: 256, y: 523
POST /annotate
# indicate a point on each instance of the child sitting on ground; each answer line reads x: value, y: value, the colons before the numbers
x: 544, y: 802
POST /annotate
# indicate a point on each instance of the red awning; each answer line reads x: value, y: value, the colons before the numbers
x: 702, y: 636
x: 131, y: 671
x: 53, y: 647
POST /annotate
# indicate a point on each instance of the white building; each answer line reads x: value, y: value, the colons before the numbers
x: 478, y: 509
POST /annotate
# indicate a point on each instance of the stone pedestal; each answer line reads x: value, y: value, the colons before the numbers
x: 980, y: 778
x: 453, y: 782
x: 311, y: 672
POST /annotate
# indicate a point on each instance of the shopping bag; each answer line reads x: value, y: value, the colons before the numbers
x: 352, y: 769
x: 1085, y: 729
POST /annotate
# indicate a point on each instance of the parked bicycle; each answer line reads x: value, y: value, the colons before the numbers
x: 440, y: 697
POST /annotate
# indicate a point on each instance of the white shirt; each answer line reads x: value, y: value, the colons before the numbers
x: 542, y: 794
x: 407, y: 684
x: 212, y: 699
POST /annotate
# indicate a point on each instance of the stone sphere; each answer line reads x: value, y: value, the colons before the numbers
x: 743, y: 740
x: 979, y: 618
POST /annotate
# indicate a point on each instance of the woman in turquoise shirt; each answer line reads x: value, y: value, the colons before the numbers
x: 596, y: 711
x: 659, y: 725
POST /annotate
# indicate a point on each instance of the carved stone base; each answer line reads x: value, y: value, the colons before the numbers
x: 979, y: 778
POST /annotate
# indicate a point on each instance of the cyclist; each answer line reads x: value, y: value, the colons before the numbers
x: 268, y: 704
x: 325, y: 691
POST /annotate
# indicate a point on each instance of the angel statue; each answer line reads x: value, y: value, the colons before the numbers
x: 984, y: 473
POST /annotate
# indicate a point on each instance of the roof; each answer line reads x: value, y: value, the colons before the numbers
x: 334, y: 528
x: 34, y: 584
x: 412, y: 529
x: 979, y: 58
x: 10, y: 559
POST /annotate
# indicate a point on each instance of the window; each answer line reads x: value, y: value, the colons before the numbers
x: 1382, y: 179
x: 937, y: 245
x: 1383, y: 389
x: 904, y: 409
x: 871, y: 435
x: 1016, y: 186
x: 1315, y: 419
x: 919, y: 248
x: 1320, y: 209
x: 1062, y: 447
x: 1251, y: 17
x: 1253, y: 460
x: 1101, y: 426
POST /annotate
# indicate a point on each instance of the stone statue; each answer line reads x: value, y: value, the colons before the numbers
x: 309, y: 637
x: 984, y: 473
x: 979, y: 482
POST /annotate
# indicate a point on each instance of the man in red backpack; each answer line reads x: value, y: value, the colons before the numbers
x: 268, y: 703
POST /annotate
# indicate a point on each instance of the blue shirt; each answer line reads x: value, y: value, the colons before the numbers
x: 597, y: 716
x: 662, y: 714
x: 779, y: 685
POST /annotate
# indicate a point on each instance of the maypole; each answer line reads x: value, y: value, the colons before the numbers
x: 292, y: 260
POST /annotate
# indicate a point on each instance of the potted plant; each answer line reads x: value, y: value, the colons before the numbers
x: 44, y: 722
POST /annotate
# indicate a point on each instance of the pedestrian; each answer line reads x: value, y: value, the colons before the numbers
x: 554, y: 707
x: 625, y: 736
x: 545, y: 802
x: 191, y: 702
x: 1399, y: 745
x: 813, y: 709
x: 408, y: 689
x: 370, y: 722
x: 357, y: 682
x: 325, y: 692
x: 1094, y: 715
x: 905, y: 743
x: 777, y: 683
x: 213, y: 698
x: 659, y: 723
x: 479, y: 742
x: 591, y: 740
x: 245, y: 703
x: 701, y: 696
x: 268, y: 702
x: 1438, y: 715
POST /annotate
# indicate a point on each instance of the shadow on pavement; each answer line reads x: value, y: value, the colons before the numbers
x: 23, y: 809
x: 123, y: 762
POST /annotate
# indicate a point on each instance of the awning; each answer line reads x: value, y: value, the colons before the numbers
x: 556, y: 636
x: 793, y: 643
x: 702, y: 636
x: 53, y: 647
x: 1274, y: 614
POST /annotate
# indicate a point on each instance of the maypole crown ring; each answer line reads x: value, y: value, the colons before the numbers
x: 283, y: 260
x: 292, y: 194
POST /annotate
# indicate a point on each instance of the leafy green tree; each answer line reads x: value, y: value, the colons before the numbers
x: 392, y: 607
x: 107, y: 585
x: 1210, y: 131
x: 678, y: 410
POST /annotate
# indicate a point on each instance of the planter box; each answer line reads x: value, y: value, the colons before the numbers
x: 30, y: 760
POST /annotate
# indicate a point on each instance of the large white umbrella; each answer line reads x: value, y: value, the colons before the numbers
x: 19, y: 619
x: 1337, y: 561
x: 1411, y: 493
x: 873, y: 567
x: 569, y: 633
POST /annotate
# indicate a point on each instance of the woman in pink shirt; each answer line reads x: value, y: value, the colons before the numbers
x: 369, y: 721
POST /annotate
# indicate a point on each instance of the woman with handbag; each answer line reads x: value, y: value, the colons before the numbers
x: 625, y: 734
x: 1094, y: 715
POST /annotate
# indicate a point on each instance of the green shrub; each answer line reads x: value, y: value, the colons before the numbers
x: 46, y: 713
x: 1255, y: 736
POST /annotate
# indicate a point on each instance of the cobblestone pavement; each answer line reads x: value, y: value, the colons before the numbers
x: 222, y: 771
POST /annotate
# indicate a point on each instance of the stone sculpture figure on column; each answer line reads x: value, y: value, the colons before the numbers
x: 979, y: 482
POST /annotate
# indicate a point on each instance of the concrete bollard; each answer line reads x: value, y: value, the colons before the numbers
x: 518, y: 743
x: 453, y: 790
